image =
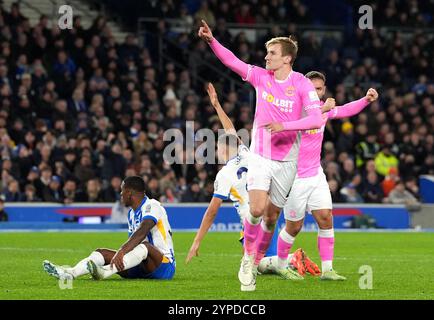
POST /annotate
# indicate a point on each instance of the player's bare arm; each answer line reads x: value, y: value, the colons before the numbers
x: 223, y: 117
x: 207, y: 221
x: 136, y: 238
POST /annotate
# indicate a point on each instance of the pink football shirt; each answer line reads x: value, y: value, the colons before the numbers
x: 279, y: 101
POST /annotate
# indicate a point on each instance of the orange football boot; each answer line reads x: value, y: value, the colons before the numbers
x: 297, y: 261
x: 311, y: 267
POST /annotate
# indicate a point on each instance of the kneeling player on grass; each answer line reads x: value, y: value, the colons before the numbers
x: 148, y: 253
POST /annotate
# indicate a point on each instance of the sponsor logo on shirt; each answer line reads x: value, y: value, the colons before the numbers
x: 315, y: 131
x: 283, y: 104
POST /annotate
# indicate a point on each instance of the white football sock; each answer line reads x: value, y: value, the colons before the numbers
x: 253, y: 220
x: 327, y: 265
x: 80, y: 268
x: 131, y: 259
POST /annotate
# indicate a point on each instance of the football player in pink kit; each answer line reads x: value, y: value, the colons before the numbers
x: 283, y: 95
x: 310, y: 190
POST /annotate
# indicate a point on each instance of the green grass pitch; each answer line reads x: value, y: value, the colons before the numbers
x: 402, y: 265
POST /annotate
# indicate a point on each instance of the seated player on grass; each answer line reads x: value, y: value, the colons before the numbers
x: 148, y: 253
x: 231, y: 183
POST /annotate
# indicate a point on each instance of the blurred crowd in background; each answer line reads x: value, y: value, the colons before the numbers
x: 79, y: 111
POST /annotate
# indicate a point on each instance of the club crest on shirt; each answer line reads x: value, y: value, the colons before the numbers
x: 148, y: 208
x: 290, y: 91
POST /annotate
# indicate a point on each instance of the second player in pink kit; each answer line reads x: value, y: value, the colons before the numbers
x: 310, y: 191
x: 282, y: 95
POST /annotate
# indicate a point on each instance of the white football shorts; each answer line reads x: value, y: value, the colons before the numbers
x: 307, y: 194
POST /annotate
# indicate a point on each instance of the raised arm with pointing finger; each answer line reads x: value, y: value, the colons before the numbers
x: 223, y: 54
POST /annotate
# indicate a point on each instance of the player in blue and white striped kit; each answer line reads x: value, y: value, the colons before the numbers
x: 148, y: 253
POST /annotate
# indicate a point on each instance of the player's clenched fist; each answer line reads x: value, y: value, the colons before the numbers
x: 328, y: 105
x: 372, y: 95
x: 205, y: 32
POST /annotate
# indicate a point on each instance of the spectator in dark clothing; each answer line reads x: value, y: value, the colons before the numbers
x: 92, y: 192
x: 112, y: 192
x: 33, y: 176
x: 84, y: 171
x: 350, y: 174
x: 114, y: 163
x: 334, y: 190
x: 12, y: 193
x: 244, y: 16
x: 153, y: 189
x: 77, y: 103
x: 30, y: 194
x: 64, y: 65
x: 372, y: 191
x: 43, y: 181
x: 24, y: 161
x: 194, y: 194
x: 346, y: 139
x: 3, y: 215
x: 70, y: 160
x: 53, y: 193
x: 70, y: 191
x: 17, y: 132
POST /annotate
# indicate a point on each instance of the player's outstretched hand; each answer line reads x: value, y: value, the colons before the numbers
x: 194, y: 252
x: 118, y: 261
x: 372, y: 95
x: 328, y: 105
x: 274, y: 127
x: 213, y: 96
x: 205, y: 32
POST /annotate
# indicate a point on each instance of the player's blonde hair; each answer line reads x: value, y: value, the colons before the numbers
x: 288, y: 44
